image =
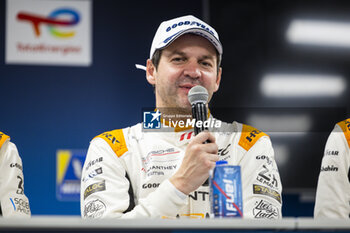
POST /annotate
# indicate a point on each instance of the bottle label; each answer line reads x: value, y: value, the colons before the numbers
x: 226, y: 191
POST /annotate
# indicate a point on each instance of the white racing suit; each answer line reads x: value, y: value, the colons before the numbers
x: 333, y: 188
x: 13, y: 201
x: 126, y: 174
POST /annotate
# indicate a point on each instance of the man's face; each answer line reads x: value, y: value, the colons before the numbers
x: 189, y: 61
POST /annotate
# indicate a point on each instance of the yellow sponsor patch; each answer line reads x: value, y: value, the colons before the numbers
x: 249, y: 136
x: 191, y: 215
x: 93, y: 188
x: 258, y: 189
x: 116, y: 141
x: 345, y: 126
x: 194, y: 215
x: 3, y: 138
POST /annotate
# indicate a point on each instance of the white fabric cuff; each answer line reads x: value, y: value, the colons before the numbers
x: 165, y: 201
x: 178, y: 192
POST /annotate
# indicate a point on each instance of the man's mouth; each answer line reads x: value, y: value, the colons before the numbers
x: 187, y: 86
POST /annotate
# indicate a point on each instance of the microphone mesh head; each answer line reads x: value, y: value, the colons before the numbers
x: 198, y: 94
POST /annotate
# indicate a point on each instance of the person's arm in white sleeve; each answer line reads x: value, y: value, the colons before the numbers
x: 333, y: 188
x: 261, y: 183
x: 110, y: 194
x: 13, y: 201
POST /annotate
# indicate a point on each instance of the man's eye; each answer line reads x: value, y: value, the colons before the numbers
x: 206, y: 64
x: 177, y: 59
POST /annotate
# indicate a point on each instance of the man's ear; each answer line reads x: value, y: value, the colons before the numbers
x: 150, y: 72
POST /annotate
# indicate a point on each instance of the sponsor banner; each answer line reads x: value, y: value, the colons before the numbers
x: 48, y: 32
x: 69, y: 165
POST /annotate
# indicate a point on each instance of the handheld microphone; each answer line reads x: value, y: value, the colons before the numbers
x: 198, y: 97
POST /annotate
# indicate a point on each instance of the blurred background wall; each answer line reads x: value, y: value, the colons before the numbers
x: 291, y: 87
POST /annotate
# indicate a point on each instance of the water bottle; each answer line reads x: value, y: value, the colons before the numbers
x: 226, y: 191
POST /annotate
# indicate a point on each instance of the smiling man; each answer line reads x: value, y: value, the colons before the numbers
x: 162, y: 174
x: 189, y: 61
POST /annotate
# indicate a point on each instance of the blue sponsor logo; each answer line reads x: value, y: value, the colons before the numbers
x: 151, y: 120
x: 68, y: 174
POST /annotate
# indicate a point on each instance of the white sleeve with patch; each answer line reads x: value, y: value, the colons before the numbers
x: 261, y: 183
x: 333, y: 188
x: 13, y: 201
x: 110, y: 195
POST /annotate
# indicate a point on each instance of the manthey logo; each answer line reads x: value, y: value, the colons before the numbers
x: 59, y: 18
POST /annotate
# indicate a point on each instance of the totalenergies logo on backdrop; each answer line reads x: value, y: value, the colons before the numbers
x: 49, y: 32
x: 52, y: 21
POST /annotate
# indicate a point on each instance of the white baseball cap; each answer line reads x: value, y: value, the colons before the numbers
x: 170, y: 30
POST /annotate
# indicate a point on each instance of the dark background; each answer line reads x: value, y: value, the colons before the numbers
x: 46, y: 108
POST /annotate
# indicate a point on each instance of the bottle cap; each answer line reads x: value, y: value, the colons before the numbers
x: 221, y: 162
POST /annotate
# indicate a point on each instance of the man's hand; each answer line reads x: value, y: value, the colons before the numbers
x: 199, y: 158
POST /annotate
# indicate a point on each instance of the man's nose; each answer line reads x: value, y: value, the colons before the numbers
x: 192, y: 70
